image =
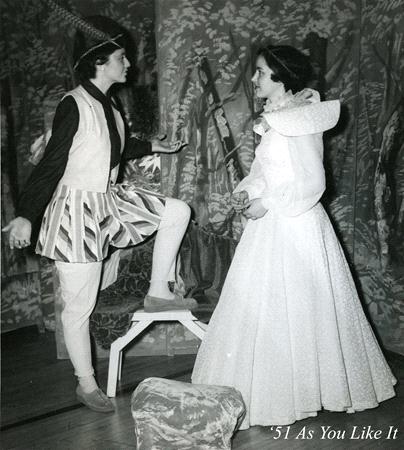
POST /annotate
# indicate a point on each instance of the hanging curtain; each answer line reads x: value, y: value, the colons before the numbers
x: 205, y: 52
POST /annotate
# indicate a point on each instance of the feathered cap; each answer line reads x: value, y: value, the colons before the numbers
x: 108, y: 32
x: 93, y: 32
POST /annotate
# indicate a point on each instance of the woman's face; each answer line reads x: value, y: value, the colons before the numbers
x: 116, y: 68
x: 264, y: 86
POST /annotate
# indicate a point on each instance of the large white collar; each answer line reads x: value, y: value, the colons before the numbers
x: 299, y: 114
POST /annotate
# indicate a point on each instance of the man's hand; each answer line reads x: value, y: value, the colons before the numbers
x: 162, y: 146
x: 20, y: 232
x: 255, y: 210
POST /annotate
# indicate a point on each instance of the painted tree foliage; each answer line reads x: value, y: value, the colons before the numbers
x: 205, y: 58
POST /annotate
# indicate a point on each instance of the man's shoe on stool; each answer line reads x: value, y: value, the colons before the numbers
x: 96, y: 400
x: 157, y: 304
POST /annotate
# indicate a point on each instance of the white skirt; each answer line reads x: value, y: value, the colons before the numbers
x: 289, y: 331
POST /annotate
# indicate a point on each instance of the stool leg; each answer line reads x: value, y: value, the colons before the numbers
x: 194, y: 327
x: 120, y: 366
x: 113, y: 368
x: 202, y: 325
x: 115, y: 357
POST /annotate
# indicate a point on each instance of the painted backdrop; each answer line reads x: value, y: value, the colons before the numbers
x: 204, y: 59
x: 205, y: 53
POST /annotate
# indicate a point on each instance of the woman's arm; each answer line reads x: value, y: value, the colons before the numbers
x: 253, y: 183
x: 137, y: 148
x: 297, y: 196
x: 44, y: 178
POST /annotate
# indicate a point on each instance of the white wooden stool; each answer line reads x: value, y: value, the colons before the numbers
x: 140, y: 321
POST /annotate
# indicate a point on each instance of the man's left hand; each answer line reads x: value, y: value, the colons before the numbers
x: 163, y: 146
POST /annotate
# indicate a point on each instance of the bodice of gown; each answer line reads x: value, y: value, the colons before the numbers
x: 273, y: 161
x: 287, y: 173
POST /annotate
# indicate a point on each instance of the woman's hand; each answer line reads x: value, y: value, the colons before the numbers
x: 239, y: 201
x: 20, y: 232
x: 162, y: 146
x: 255, y: 210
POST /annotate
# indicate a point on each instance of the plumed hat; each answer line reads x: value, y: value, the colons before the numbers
x: 93, y: 32
x: 105, y: 31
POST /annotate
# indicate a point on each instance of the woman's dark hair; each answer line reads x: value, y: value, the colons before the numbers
x: 90, y: 50
x: 86, y: 66
x: 290, y: 66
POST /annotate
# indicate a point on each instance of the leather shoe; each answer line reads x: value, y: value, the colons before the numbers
x: 96, y: 400
x: 158, y: 304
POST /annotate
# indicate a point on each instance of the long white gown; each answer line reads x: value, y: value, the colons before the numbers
x: 289, y: 331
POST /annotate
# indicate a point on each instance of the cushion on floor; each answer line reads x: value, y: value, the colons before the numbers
x: 174, y: 415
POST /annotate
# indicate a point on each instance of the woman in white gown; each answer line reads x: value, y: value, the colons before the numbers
x: 289, y: 331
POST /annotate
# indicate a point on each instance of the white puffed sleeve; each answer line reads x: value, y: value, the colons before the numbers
x: 253, y: 183
x: 302, y: 128
x: 300, y: 193
x: 296, y: 136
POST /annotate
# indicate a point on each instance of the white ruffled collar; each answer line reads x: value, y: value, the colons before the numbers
x: 282, y: 102
x: 286, y: 101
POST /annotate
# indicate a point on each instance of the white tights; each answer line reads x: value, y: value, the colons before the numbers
x: 80, y: 283
x: 169, y: 235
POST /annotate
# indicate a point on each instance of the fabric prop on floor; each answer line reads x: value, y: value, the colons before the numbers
x: 171, y: 414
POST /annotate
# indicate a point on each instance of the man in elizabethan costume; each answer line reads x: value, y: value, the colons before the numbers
x: 73, y: 191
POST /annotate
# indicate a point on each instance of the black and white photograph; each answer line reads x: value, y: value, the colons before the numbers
x: 202, y: 215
